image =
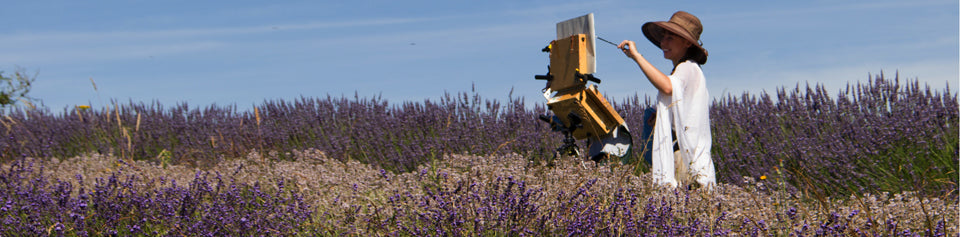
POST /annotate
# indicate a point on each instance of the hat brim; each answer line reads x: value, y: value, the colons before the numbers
x: 654, y: 32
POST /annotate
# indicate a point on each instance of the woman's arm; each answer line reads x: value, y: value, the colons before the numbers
x: 658, y: 79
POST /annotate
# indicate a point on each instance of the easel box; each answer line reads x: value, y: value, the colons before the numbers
x: 597, y: 115
x: 567, y: 57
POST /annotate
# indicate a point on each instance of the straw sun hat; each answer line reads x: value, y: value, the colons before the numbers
x: 685, y: 25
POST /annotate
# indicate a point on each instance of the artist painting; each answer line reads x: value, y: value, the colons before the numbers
x: 683, y: 103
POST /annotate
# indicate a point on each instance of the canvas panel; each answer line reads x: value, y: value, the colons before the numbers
x: 581, y: 25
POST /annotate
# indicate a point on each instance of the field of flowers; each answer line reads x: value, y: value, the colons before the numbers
x: 879, y: 158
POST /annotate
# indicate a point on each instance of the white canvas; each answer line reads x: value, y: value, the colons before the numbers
x: 581, y: 25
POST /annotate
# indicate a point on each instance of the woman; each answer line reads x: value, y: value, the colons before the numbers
x: 683, y: 103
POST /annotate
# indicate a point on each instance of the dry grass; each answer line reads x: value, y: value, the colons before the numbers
x: 332, y: 185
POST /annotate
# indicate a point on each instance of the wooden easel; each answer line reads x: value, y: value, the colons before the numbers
x: 575, y: 104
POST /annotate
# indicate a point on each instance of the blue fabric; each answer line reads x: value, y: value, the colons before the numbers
x: 646, y: 135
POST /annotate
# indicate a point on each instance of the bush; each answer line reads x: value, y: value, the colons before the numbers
x: 15, y: 88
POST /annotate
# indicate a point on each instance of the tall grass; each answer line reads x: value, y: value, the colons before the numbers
x: 396, y: 137
x: 875, y: 136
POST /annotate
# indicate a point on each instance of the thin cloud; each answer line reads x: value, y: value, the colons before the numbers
x: 103, y: 52
x: 22, y: 38
x: 62, y: 46
x: 836, y: 78
x: 804, y: 9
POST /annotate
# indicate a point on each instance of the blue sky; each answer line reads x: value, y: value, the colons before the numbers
x: 245, y: 52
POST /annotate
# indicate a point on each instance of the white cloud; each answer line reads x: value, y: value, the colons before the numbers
x: 99, y: 52
x: 68, y: 46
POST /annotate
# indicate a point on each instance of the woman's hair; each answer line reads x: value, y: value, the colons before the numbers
x: 694, y: 53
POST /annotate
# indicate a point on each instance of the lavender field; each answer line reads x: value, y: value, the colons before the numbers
x: 878, y: 158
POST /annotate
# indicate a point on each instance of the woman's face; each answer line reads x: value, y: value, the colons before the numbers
x: 673, y: 46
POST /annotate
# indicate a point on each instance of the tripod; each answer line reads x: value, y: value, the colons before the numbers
x: 569, y: 147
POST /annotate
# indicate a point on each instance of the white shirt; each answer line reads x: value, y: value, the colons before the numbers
x: 689, y: 115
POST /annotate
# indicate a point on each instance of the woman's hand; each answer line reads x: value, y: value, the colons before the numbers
x: 658, y: 79
x: 629, y: 48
